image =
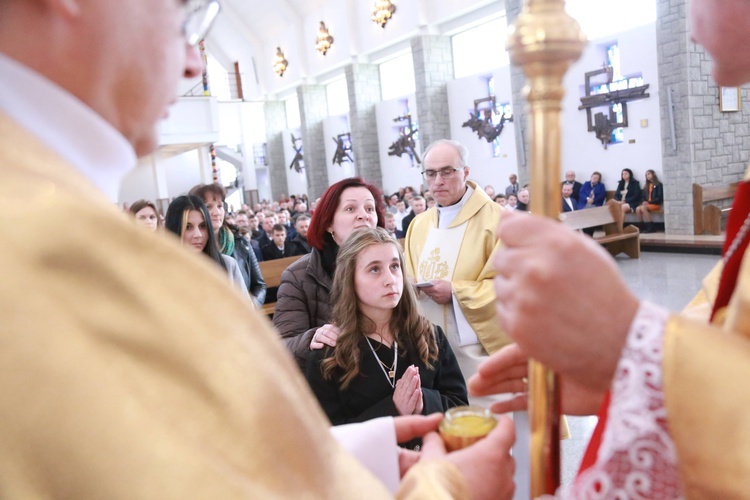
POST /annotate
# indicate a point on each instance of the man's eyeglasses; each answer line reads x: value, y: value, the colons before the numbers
x: 199, y: 16
x: 445, y: 173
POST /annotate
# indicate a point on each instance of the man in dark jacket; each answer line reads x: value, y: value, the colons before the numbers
x: 300, y: 239
x: 418, y: 205
x: 568, y: 204
x: 570, y: 179
x: 279, y: 247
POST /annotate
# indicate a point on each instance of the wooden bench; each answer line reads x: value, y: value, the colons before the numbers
x: 657, y: 216
x: 271, y: 271
x: 707, y: 219
x: 616, y: 239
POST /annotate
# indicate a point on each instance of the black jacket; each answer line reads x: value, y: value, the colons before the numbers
x: 633, y: 196
x: 369, y: 395
x: 249, y: 268
x: 272, y: 252
x: 657, y: 194
x: 566, y: 208
x: 303, y: 304
x: 406, y: 221
x: 302, y: 245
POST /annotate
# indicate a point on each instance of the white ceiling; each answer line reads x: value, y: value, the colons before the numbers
x: 248, y: 32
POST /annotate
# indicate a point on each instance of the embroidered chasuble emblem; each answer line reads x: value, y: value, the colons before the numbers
x: 434, y: 267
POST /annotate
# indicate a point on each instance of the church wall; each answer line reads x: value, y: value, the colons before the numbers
x: 336, y: 16
x: 163, y: 175
x: 230, y: 41
x: 184, y: 171
x: 274, y: 113
x: 710, y: 147
x: 252, y: 118
x: 139, y: 183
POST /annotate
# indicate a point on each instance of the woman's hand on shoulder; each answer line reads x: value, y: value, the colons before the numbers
x: 326, y: 335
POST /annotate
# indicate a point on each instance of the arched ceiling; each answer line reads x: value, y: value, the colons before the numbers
x: 248, y: 32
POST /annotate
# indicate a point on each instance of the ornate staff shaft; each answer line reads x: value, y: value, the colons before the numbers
x: 544, y: 41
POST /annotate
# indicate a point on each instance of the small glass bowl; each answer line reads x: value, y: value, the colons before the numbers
x: 465, y: 425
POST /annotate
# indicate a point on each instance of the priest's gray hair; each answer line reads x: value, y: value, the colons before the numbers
x: 463, y: 153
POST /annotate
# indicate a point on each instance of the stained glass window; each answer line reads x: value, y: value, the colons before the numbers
x: 500, y: 108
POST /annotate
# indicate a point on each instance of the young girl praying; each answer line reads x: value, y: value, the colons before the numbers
x: 389, y: 359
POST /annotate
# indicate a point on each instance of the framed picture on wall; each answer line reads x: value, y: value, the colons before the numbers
x: 730, y: 99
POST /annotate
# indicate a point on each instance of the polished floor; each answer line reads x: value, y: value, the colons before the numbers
x: 667, y: 279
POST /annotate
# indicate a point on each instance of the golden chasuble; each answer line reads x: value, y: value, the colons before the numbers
x: 706, y: 369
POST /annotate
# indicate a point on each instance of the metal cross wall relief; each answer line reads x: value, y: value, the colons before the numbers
x: 298, y: 162
x: 602, y: 125
x: 405, y: 143
x: 481, y: 121
x: 343, y: 148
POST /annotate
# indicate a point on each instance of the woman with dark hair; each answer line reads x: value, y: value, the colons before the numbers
x: 628, y: 191
x: 188, y: 218
x: 145, y: 214
x: 652, y: 201
x: 389, y: 360
x: 230, y: 242
x: 303, y: 308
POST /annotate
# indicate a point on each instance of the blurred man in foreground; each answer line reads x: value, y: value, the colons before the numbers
x: 133, y: 370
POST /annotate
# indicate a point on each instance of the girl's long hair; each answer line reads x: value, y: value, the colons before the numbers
x: 410, y: 328
x: 621, y: 184
x: 176, y: 222
x: 654, y: 179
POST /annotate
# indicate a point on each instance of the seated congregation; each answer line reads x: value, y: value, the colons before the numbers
x: 343, y: 301
x: 345, y: 305
x: 642, y: 207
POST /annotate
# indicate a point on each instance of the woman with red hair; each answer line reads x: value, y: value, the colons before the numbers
x: 303, y: 308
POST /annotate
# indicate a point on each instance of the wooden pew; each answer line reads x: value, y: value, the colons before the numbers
x: 657, y: 216
x: 271, y: 271
x: 616, y: 239
x: 707, y: 219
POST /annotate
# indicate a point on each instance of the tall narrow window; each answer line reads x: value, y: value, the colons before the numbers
x: 293, y: 119
x: 608, y: 17
x: 397, y: 77
x: 480, y: 49
x: 337, y: 94
x: 219, y: 79
x: 502, y: 109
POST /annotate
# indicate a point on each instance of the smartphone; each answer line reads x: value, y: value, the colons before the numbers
x: 424, y: 284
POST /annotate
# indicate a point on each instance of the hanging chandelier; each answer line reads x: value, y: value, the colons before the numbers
x: 324, y: 40
x: 383, y: 11
x: 279, y: 62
